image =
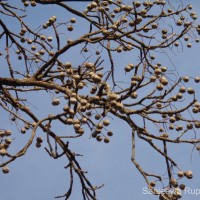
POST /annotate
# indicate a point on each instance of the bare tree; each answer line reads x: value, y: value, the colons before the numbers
x: 86, y: 95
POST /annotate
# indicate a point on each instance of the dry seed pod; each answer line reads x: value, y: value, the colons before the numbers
x: 176, y: 44
x: 137, y: 4
x: 66, y: 108
x: 174, y: 98
x: 174, y: 182
x: 186, y: 79
x: 180, y: 174
x: 33, y: 48
x: 67, y: 65
x: 179, y: 128
x: 157, y: 71
x: 182, y: 90
x: 42, y: 52
x: 70, y: 28
x: 99, y: 138
x: 112, y: 96
x: 153, y: 78
x: 94, y: 135
x: 49, y: 38
x: 80, y: 85
x: 3, y: 152
x: 23, y: 130
x: 96, y: 78
x: 51, y: 53
x: 38, y: 145
x: 172, y: 119
x: 76, y: 121
x: 39, y: 139
x: 106, y: 122
x: 99, y: 126
x: 23, y: 40
x: 134, y: 83
x: 179, y: 96
x: 188, y: 174
x: 5, y: 170
x: 73, y: 100
x: 182, y: 186
x: 80, y: 131
x: 160, y: 87
x: 163, y: 81
x: 77, y: 126
x: 195, y: 110
x: 29, y: 41
x: 177, y: 193
x: 69, y: 121
x: 198, y: 148
x: 43, y: 37
x: 153, y: 184
x: 8, y: 132
x: 134, y: 95
x: 33, y: 3
x: 171, y: 126
x: 45, y: 26
x: 127, y: 68
x: 165, y: 135
x: 106, y: 140
x: 8, y: 141
x: 119, y: 105
x: 89, y: 65
x: 97, y: 116
x: 189, y: 45
x: 84, y: 120
x: 179, y: 23
x: 23, y: 30
x: 89, y: 114
x: 161, y: 130
x: 163, y: 69
x: 110, y: 133
x: 197, y: 124
x: 83, y: 102
x: 73, y: 20
x: 26, y: 4
x: 190, y: 91
x: 56, y: 102
x: 197, y: 79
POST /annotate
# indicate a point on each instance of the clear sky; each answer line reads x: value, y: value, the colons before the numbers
x: 37, y: 176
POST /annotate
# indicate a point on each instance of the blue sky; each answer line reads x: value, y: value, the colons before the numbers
x: 36, y: 176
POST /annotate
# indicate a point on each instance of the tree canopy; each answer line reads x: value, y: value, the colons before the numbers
x: 72, y: 65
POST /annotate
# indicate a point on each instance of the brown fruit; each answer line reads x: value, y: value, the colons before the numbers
x: 99, y: 138
x: 160, y: 87
x: 153, y: 184
x: 55, y: 101
x: 106, y: 122
x: 106, y: 140
x: 182, y: 90
x: 3, y: 152
x: 174, y: 182
x: 38, y: 145
x: 190, y: 91
x: 5, y: 170
x: 8, y: 141
x: 110, y: 133
x: 39, y: 139
x: 70, y: 28
x: 186, y: 79
x: 189, y: 126
x: 180, y: 174
x: 188, y: 174
x: 182, y: 186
